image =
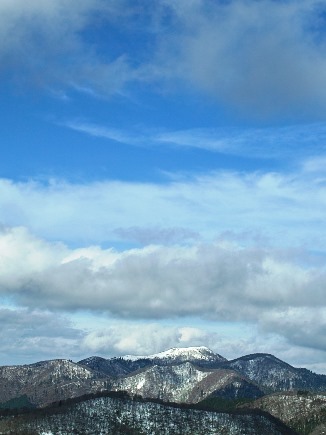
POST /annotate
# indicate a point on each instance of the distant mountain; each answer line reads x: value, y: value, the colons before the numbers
x: 272, y: 374
x: 122, y: 366
x: 303, y: 411
x: 47, y: 381
x: 185, y: 383
x: 265, y: 370
x: 120, y: 416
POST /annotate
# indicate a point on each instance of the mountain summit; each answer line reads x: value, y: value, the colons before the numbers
x: 181, y: 354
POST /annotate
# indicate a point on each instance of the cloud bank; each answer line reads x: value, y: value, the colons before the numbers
x: 221, y: 281
x: 27, y: 334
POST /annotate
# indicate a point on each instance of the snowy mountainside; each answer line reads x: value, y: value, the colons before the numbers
x: 117, y: 416
x: 122, y: 366
x: 115, y: 367
x: 268, y: 372
x: 273, y: 375
x: 47, y: 381
x: 185, y: 383
x: 168, y: 375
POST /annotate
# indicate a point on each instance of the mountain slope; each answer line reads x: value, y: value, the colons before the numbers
x: 114, y: 367
x: 47, y: 381
x: 272, y: 374
x: 268, y: 372
x: 185, y: 383
x: 301, y: 411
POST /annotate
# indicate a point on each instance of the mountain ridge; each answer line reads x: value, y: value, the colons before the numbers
x: 181, y: 354
x: 188, y: 376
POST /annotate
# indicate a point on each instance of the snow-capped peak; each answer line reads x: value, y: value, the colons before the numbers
x: 180, y: 354
x: 201, y: 352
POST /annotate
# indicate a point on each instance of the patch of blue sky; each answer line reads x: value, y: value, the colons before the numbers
x: 36, y: 142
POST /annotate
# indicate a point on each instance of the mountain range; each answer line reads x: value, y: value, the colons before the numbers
x: 190, y: 377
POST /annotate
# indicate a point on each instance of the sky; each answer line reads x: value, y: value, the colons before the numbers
x: 162, y: 178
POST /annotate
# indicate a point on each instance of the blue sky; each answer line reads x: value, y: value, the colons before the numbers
x: 162, y: 178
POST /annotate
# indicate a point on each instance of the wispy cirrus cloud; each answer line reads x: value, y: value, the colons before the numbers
x: 288, y: 209
x: 267, y: 143
x: 279, y: 143
x: 157, y: 235
x: 113, y: 134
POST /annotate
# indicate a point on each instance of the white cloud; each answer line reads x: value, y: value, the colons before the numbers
x: 142, y: 339
x: 22, y: 254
